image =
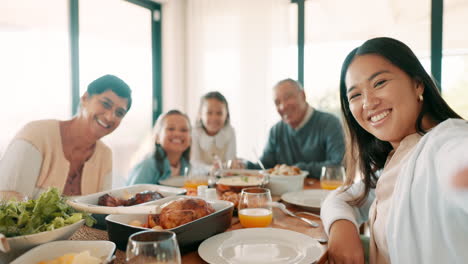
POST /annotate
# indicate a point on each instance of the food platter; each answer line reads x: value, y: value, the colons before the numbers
x: 89, y: 203
x: 188, y: 235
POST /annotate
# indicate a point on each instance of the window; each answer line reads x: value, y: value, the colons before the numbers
x: 115, y: 38
x: 455, y: 56
x: 34, y: 64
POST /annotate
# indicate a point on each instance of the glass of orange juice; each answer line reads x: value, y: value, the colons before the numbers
x: 254, y: 208
x: 194, y: 177
x: 332, y: 177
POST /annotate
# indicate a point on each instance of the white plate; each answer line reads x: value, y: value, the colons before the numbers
x: 260, y: 246
x: 89, y: 203
x: 306, y: 198
x: 99, y: 249
x: 176, y: 181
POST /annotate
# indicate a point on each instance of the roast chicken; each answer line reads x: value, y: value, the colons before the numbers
x: 179, y: 212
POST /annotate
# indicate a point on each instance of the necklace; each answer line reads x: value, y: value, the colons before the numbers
x: 73, y: 183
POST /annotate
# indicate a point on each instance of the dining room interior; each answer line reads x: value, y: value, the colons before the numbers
x: 172, y: 52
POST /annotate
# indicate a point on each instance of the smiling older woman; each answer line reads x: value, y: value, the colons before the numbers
x: 409, y: 147
x: 68, y: 154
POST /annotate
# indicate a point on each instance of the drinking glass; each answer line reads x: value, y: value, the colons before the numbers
x: 332, y: 177
x: 153, y: 247
x: 194, y: 177
x: 255, y: 207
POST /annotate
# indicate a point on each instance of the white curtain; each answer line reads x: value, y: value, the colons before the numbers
x: 240, y: 48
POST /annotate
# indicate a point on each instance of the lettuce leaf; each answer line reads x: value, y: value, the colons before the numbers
x: 49, y: 212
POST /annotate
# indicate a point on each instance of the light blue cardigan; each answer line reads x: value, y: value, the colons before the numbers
x: 152, y: 171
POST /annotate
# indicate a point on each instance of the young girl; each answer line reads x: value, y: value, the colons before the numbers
x: 214, y: 138
x: 170, y: 156
x: 409, y: 147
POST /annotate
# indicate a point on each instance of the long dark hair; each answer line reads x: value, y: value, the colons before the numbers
x: 363, y: 149
x: 159, y: 153
x: 212, y: 95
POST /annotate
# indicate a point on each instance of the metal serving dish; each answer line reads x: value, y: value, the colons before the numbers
x: 189, y: 235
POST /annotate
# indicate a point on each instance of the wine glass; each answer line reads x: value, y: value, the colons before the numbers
x: 153, y: 247
x: 332, y: 177
x: 255, y: 207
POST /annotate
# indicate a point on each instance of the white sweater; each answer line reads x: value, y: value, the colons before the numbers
x: 428, y: 219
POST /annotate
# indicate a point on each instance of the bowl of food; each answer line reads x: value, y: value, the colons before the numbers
x: 26, y: 224
x: 284, y: 178
x: 232, y: 181
x: 69, y: 251
x: 192, y: 219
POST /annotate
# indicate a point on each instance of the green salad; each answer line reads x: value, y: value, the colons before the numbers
x: 48, y: 212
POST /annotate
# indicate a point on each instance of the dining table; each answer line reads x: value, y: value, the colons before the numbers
x: 280, y: 220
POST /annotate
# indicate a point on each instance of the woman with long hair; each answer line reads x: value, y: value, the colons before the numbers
x: 404, y: 145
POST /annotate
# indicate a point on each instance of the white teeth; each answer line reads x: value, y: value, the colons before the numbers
x: 176, y: 141
x: 379, y: 116
x: 102, y: 123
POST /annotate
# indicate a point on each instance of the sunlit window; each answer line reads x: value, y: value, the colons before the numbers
x: 455, y: 56
x: 115, y: 38
x: 34, y: 64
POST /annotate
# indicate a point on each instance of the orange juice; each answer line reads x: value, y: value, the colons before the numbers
x: 330, y: 185
x: 193, y: 184
x: 255, y: 217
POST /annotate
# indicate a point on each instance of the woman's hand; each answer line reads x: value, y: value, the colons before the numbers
x: 460, y: 180
x: 344, y: 244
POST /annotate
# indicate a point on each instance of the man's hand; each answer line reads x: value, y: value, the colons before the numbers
x: 344, y: 244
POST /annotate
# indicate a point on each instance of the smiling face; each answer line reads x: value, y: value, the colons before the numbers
x: 174, y: 136
x: 290, y: 103
x: 103, y: 112
x: 213, y: 115
x: 382, y: 98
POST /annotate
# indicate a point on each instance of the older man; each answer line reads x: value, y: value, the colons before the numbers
x: 305, y: 137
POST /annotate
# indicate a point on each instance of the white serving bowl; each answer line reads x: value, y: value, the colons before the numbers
x: 280, y: 184
x: 20, y: 244
x: 98, y: 249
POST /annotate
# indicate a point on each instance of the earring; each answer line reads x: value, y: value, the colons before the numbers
x: 421, y: 98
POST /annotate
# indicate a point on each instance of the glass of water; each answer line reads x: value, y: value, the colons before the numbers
x: 151, y: 247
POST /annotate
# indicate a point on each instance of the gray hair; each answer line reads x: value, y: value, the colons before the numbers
x: 291, y: 82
